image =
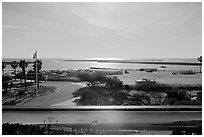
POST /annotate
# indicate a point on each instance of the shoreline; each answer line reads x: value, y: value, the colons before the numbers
x: 159, y: 62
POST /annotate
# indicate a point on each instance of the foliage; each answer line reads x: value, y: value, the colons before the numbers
x: 200, y: 58
x: 180, y: 97
x: 6, y: 84
x: 31, y: 75
x: 199, y: 96
x: 100, y: 96
x: 119, y: 97
x: 141, y: 98
x: 178, y: 94
x: 93, y: 96
x: 99, y: 77
x: 23, y: 64
x: 6, y: 78
x: 14, y: 65
x: 114, y: 82
x: 19, y: 75
x: 127, y: 87
x: 93, y: 78
x: 3, y: 66
x: 152, y: 87
x: 39, y: 65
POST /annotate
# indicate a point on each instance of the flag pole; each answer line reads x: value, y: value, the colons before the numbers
x: 36, y: 74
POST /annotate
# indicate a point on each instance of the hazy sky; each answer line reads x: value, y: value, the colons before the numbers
x: 102, y: 30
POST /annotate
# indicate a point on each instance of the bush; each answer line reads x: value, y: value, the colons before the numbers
x: 93, y: 96
x: 199, y: 96
x: 119, y: 97
x: 141, y: 98
x: 127, y: 87
x: 93, y: 78
x: 114, y: 83
x: 100, y: 77
x: 152, y: 87
x: 170, y: 101
x: 178, y: 94
x: 20, y: 93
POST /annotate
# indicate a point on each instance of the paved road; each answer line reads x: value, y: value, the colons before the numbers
x: 64, y: 94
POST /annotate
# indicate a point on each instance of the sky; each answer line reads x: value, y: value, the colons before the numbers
x: 102, y: 30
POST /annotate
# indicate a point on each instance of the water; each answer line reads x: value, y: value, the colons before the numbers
x: 161, y: 76
x: 59, y: 64
x: 124, y: 117
x: 106, y: 117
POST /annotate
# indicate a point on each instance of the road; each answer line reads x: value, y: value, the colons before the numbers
x: 63, y: 95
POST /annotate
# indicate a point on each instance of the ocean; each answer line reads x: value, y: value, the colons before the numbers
x: 163, y: 75
x: 63, y: 64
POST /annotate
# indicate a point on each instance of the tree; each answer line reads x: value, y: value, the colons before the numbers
x: 114, y: 82
x: 93, y: 78
x: 31, y: 75
x: 14, y: 65
x: 200, y: 59
x: 6, y: 83
x: 178, y: 94
x: 3, y: 67
x: 141, y: 98
x: 23, y: 65
x: 39, y: 67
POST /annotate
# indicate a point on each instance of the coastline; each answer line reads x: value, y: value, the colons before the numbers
x: 158, y: 62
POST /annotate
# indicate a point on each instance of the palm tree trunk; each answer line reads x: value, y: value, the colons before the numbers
x: 24, y: 80
x: 15, y: 74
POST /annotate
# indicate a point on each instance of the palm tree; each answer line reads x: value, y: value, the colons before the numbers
x: 3, y: 66
x: 200, y: 59
x: 23, y: 64
x: 14, y: 65
x: 39, y: 67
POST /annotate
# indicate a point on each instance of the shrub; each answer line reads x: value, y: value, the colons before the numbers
x: 141, y: 98
x: 93, y: 78
x: 152, y: 87
x: 178, y: 94
x: 114, y: 83
x: 199, y: 96
x: 170, y: 101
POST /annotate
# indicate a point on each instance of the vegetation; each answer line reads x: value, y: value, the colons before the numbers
x: 3, y: 67
x: 23, y: 65
x: 146, y: 86
x: 100, y: 78
x: 105, y: 90
x: 92, y: 78
x: 20, y: 129
x: 6, y: 84
x: 14, y: 65
x: 200, y: 60
x: 39, y: 67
